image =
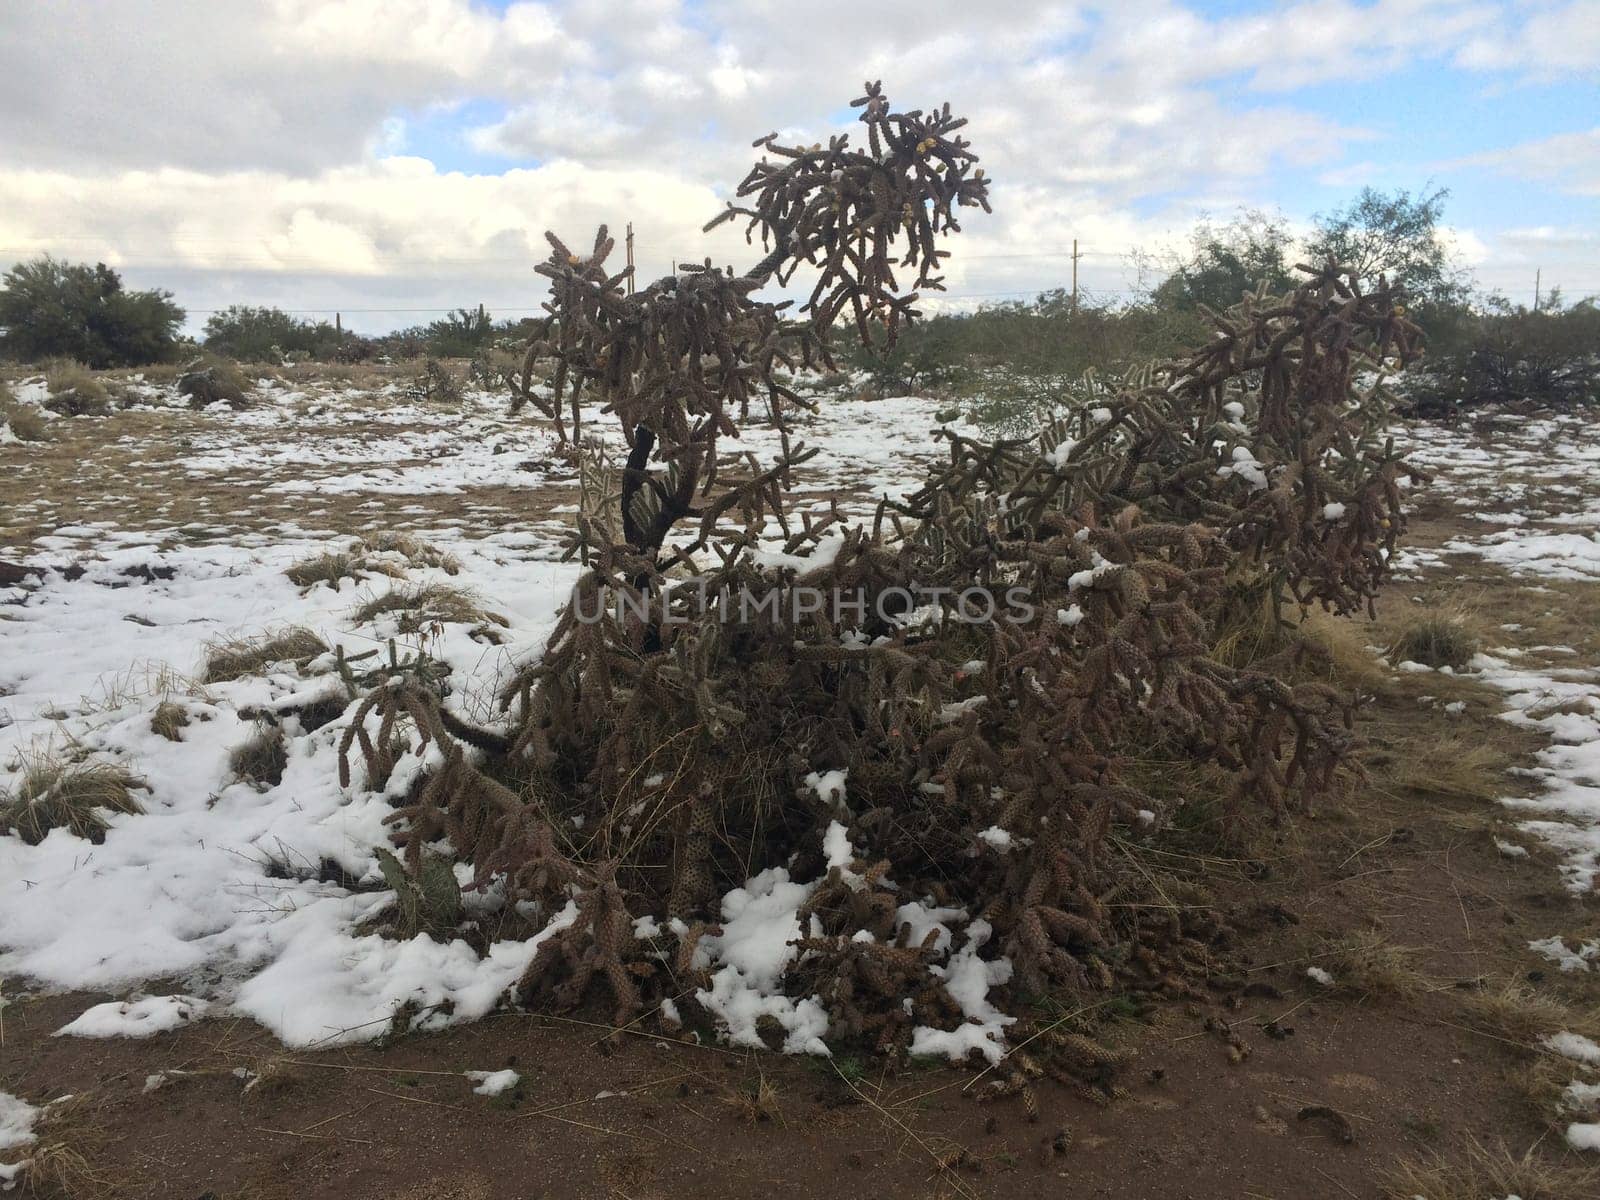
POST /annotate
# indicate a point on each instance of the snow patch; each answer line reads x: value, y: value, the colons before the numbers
x: 135, y: 1018
x: 493, y: 1083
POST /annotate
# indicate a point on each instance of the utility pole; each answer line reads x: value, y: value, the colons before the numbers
x: 1075, y: 257
x: 1538, y: 277
x: 338, y: 327
x: 630, y: 258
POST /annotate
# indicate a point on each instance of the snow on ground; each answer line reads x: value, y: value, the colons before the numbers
x: 221, y: 892
x: 1537, y: 497
x: 1547, y: 472
x: 494, y: 1083
x: 17, y: 1119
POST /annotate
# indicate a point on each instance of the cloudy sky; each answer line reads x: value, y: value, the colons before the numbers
x: 390, y: 157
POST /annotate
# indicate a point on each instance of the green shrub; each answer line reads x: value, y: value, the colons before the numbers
x: 462, y: 334
x: 50, y: 308
x: 270, y: 335
x: 1546, y: 359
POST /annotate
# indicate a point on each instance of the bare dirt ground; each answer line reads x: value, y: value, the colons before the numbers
x: 1268, y: 1084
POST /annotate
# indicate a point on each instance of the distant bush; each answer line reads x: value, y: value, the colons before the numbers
x: 74, y: 391
x: 461, y: 334
x: 437, y: 384
x: 1547, y: 359
x: 207, y: 380
x: 271, y: 335
x: 1227, y: 261
x: 464, y: 333
x: 1011, y: 365
x: 51, y: 309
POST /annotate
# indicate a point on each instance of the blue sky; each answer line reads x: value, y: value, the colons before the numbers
x: 388, y: 154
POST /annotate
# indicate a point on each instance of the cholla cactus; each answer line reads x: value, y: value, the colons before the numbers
x: 658, y: 756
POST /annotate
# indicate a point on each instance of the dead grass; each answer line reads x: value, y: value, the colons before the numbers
x: 238, y: 657
x: 1460, y: 766
x: 755, y: 1102
x: 61, y: 794
x: 272, y: 1074
x: 75, y: 391
x: 60, y: 1162
x: 415, y: 550
x: 1476, y: 1173
x: 1541, y: 1086
x: 262, y: 758
x: 369, y: 557
x: 1343, y: 641
x: 1516, y: 1013
x: 335, y: 566
x: 1336, y: 647
x: 1438, y: 637
x: 169, y: 720
x: 423, y: 605
x: 1370, y: 966
x: 1572, y: 706
x: 24, y: 421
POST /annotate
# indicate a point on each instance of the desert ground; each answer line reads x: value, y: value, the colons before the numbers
x: 195, y: 1004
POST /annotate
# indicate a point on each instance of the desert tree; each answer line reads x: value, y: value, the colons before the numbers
x: 55, y: 309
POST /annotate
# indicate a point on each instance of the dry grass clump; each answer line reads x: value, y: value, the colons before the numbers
x: 207, y: 380
x: 271, y: 1074
x: 366, y: 557
x: 58, y: 1164
x: 262, y: 758
x: 169, y: 720
x: 1541, y: 1085
x: 1333, y: 648
x: 238, y: 657
x: 1475, y: 1173
x: 25, y: 423
x: 1517, y: 1013
x: 336, y: 565
x: 1345, y: 659
x: 415, y: 550
x: 1571, y: 706
x: 422, y: 605
x: 1369, y: 965
x: 1437, y: 638
x: 75, y: 391
x: 57, y: 794
x: 1459, y: 767
x: 755, y: 1102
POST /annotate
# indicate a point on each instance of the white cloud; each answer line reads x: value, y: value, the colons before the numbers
x: 270, y: 137
x: 1570, y: 161
x: 1540, y: 39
